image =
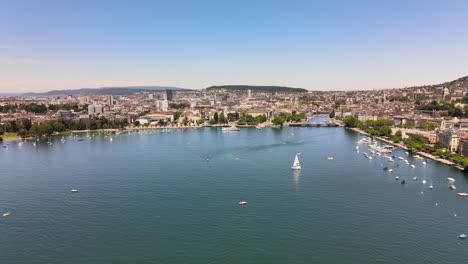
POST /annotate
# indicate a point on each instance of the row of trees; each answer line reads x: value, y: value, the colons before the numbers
x: 25, y: 128
x: 178, y: 105
x: 250, y: 120
x: 379, y: 127
x: 287, y: 117
x: 218, y: 119
x: 40, y: 108
x: 449, y: 109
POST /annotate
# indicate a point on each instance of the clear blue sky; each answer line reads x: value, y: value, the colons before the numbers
x: 317, y: 45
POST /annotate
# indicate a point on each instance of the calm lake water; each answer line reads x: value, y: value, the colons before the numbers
x: 173, y: 198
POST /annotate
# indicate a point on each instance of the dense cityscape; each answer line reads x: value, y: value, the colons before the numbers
x: 429, y: 118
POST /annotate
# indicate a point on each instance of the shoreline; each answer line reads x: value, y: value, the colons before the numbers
x: 402, y: 146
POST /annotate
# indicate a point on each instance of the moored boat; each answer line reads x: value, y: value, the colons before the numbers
x: 231, y: 128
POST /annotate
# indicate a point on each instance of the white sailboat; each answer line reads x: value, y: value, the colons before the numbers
x: 296, y: 165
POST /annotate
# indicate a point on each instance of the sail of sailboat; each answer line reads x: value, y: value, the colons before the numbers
x: 296, y: 165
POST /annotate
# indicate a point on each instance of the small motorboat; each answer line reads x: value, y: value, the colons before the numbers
x: 423, y: 181
x: 451, y: 179
x: 396, y: 177
x: 242, y: 203
x: 390, y: 170
x: 424, y: 163
x: 462, y: 236
x: 412, y: 166
x: 415, y: 178
x: 452, y: 187
x: 74, y: 190
x: 6, y: 214
x: 463, y: 194
x: 330, y: 158
x: 431, y: 187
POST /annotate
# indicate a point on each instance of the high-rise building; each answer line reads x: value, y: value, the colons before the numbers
x: 249, y: 93
x: 110, y: 100
x: 169, y: 94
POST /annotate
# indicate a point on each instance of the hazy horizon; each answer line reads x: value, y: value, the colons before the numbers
x: 332, y: 45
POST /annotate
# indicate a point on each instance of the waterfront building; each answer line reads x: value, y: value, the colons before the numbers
x: 463, y: 145
x: 450, y: 138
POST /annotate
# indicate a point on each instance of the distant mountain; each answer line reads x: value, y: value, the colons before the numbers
x: 254, y: 88
x: 9, y: 94
x: 106, y: 91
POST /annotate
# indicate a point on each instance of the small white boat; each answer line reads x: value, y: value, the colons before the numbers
x: 370, y: 157
x: 424, y: 163
x: 463, y: 194
x: 242, y: 203
x: 231, y: 128
x: 451, y: 179
x: 330, y: 158
x: 423, y: 181
x: 111, y: 140
x: 401, y: 158
x: 412, y: 166
x: 390, y: 170
x: 6, y: 214
x: 74, y: 190
x: 258, y: 127
x: 452, y: 187
x: 431, y: 187
x: 296, y: 164
x: 407, y: 153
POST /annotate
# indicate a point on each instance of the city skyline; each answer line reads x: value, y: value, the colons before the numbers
x: 317, y: 46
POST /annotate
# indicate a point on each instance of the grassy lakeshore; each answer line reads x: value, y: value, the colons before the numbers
x: 10, y: 136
